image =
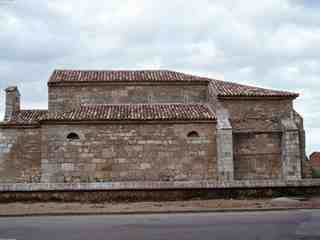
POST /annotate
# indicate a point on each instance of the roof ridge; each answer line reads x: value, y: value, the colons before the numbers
x: 114, y: 70
x: 69, y: 75
x: 131, y: 104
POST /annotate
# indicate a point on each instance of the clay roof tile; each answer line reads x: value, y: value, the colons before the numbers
x: 135, y: 112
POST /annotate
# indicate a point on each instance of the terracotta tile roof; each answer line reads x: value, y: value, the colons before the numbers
x: 25, y: 117
x: 230, y: 89
x: 131, y: 112
x: 222, y: 88
x: 66, y: 76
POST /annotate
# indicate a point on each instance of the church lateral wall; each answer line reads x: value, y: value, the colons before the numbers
x: 128, y: 152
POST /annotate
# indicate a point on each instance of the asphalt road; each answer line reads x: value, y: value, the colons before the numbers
x: 301, y: 224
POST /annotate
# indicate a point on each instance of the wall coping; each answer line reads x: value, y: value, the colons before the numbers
x: 29, y: 187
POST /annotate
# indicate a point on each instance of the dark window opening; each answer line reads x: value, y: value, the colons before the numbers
x: 193, y: 134
x: 73, y: 136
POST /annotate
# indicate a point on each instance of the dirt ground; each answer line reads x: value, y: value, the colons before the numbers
x: 52, y: 208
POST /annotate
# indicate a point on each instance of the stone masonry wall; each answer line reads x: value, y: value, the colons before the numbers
x: 257, y: 115
x: 257, y: 156
x: 257, y: 137
x: 128, y: 152
x: 20, y: 156
x: 68, y: 97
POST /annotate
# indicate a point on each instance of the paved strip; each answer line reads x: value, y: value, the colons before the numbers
x: 303, y: 224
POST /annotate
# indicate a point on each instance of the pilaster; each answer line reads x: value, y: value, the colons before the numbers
x: 224, y: 146
x: 291, y: 150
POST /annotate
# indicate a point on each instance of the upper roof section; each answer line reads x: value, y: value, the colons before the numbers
x: 69, y: 76
x: 222, y: 89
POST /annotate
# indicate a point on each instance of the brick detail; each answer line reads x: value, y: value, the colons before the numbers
x: 315, y: 161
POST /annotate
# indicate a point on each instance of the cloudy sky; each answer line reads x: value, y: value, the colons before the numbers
x: 268, y: 43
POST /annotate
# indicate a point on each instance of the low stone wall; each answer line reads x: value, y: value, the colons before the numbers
x: 118, y: 196
x: 155, y: 191
x: 152, y: 185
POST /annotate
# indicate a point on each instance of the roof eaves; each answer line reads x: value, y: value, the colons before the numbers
x: 257, y: 97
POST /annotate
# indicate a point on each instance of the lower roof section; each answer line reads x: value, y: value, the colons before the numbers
x: 115, y: 112
x: 25, y: 117
x: 136, y: 112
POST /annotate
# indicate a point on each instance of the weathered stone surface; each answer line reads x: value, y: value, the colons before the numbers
x: 261, y: 143
x: 291, y: 155
x: 225, y: 154
x: 128, y: 152
x: 257, y: 155
x: 20, y: 157
x: 257, y: 115
x: 140, y: 185
x: 69, y: 97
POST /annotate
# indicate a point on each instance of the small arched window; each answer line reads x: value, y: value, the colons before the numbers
x: 193, y: 134
x: 73, y: 136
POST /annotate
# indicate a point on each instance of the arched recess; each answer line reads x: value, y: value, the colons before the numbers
x: 193, y: 134
x: 73, y: 136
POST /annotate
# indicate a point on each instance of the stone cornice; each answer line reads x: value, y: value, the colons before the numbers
x: 19, y: 126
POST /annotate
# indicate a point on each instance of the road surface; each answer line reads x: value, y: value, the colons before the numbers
x: 300, y: 224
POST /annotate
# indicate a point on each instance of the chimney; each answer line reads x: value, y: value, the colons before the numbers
x: 12, y: 101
